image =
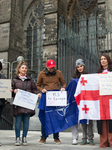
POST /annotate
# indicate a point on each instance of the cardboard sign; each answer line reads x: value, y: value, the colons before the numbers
x: 25, y: 99
x: 56, y: 98
x: 5, y: 86
x: 105, y: 84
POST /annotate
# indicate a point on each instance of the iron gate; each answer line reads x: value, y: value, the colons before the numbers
x: 83, y: 38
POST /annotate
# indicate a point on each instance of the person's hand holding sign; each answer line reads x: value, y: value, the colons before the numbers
x: 44, y: 91
x: 62, y: 89
x: 39, y: 95
x: 15, y: 91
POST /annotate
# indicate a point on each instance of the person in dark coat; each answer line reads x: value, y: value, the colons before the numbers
x: 2, y: 100
x: 21, y: 114
x: 105, y: 126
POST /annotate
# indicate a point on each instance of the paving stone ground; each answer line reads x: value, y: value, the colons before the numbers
x: 7, y: 138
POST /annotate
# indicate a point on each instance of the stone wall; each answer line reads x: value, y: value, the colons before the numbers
x: 50, y: 40
x: 11, y: 30
x: 4, y: 36
x: 5, y: 15
x: 5, y: 10
x: 16, y: 30
x: 62, y: 8
x: 53, y: 9
x: 50, y: 6
x: 50, y: 28
x: 26, y: 4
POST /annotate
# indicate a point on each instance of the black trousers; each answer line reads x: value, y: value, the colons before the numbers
x: 1, y: 109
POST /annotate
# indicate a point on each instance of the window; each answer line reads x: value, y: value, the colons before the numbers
x: 85, y: 22
x: 35, y: 39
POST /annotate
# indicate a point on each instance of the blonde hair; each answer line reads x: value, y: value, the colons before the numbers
x: 19, y: 66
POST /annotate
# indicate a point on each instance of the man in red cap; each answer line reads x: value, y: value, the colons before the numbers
x: 49, y: 79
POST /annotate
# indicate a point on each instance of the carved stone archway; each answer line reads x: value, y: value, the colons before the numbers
x: 78, y: 8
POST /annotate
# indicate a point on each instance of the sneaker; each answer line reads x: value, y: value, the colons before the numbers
x: 74, y: 142
x: 42, y: 140
x: 87, y: 141
x: 91, y: 143
x: 83, y: 142
x: 24, y: 141
x: 17, y: 143
x: 57, y: 141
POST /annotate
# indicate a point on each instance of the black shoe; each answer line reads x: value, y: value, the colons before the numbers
x: 24, y: 141
x: 17, y: 143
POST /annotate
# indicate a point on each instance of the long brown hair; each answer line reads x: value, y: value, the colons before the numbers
x: 77, y: 74
x: 19, y: 66
x: 108, y: 60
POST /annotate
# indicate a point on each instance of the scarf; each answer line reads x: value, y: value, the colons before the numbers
x: 23, y: 77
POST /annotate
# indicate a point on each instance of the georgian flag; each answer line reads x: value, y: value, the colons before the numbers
x: 91, y: 104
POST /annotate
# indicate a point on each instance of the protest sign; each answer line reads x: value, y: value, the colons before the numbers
x: 5, y: 86
x: 105, y: 84
x: 56, y: 98
x: 25, y: 99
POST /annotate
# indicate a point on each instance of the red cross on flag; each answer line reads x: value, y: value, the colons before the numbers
x: 91, y: 104
x: 85, y: 109
x: 83, y: 81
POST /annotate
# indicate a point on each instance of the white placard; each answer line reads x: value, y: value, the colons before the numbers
x: 5, y: 86
x: 56, y: 98
x: 105, y: 84
x: 25, y: 99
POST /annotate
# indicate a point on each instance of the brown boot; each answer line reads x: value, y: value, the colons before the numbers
x: 57, y: 141
x: 42, y: 140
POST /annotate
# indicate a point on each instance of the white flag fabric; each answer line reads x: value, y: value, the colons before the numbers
x: 91, y: 104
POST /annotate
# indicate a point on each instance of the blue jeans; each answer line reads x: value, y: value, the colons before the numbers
x: 18, y: 120
x: 55, y: 135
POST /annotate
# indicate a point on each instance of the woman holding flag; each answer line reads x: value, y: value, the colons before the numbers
x: 87, y: 128
x: 105, y: 126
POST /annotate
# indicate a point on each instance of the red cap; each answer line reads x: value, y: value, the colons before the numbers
x: 51, y: 63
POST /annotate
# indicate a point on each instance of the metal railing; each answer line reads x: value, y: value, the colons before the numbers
x: 5, y: 123
x: 86, y: 39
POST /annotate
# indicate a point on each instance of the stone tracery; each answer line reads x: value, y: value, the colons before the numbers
x: 78, y: 8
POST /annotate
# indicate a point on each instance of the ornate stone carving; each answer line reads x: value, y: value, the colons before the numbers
x: 78, y: 8
x: 36, y: 16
